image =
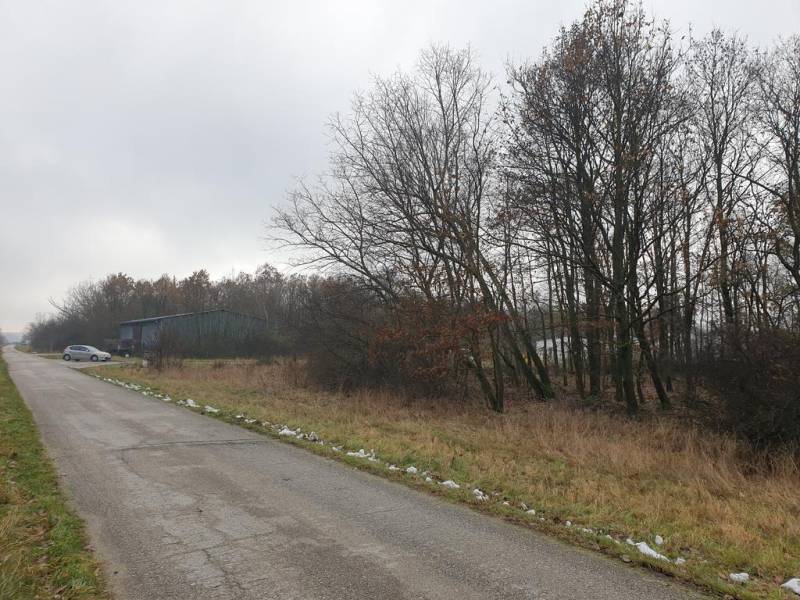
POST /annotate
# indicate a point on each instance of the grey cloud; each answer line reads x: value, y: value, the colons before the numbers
x: 152, y: 137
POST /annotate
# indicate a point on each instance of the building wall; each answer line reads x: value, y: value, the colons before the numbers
x: 215, y: 333
x: 150, y: 334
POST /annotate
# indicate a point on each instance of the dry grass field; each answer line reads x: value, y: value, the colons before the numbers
x: 656, y: 475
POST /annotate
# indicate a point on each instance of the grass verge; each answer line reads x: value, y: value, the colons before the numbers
x: 43, y: 550
x: 605, y: 477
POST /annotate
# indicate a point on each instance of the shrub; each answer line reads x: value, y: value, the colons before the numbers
x: 758, y: 382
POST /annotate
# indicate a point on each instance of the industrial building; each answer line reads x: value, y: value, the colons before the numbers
x: 208, y: 333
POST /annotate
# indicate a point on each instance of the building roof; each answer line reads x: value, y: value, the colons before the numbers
x: 189, y: 314
x: 154, y: 319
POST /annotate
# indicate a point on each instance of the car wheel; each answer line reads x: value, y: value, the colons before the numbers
x: 67, y: 357
x: 94, y: 357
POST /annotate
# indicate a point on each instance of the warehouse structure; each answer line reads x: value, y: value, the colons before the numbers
x: 217, y: 332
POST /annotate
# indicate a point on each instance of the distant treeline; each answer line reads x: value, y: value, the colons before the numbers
x: 91, y: 311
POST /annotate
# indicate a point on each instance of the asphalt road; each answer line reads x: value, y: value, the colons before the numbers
x: 182, y: 506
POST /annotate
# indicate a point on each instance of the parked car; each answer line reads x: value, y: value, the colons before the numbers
x: 85, y: 353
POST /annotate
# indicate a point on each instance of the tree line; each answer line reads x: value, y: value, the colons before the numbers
x: 91, y: 311
x: 622, y: 214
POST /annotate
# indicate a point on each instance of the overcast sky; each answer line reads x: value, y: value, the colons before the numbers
x: 155, y: 137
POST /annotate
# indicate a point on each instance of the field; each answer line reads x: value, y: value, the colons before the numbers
x: 634, y: 479
x: 43, y: 550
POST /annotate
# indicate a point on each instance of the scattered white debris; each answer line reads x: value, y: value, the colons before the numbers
x: 630, y: 542
x: 249, y: 421
x: 287, y: 431
x: 568, y: 523
x: 479, y: 495
x: 524, y: 506
x: 359, y: 454
x: 648, y: 551
x: 336, y: 448
x: 167, y: 399
x: 313, y: 437
x: 191, y: 403
x: 451, y: 484
x: 428, y: 480
x: 530, y: 511
x: 680, y: 561
x: 301, y: 436
x: 739, y: 577
x: 394, y: 468
x: 608, y: 537
x: 793, y: 585
x: 587, y: 530
x: 659, y: 540
x: 240, y: 416
x: 506, y: 503
x: 211, y: 409
x: 412, y: 470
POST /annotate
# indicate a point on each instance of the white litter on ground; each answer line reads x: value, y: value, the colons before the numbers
x: 428, y: 480
x: 211, y: 409
x: 394, y: 468
x: 249, y: 421
x: 479, y: 495
x: 191, y: 403
x: 336, y: 448
x: 313, y: 437
x: 659, y: 540
x: 287, y: 431
x: 506, y: 503
x: 739, y: 577
x: 648, y: 551
x: 451, y: 484
x: 412, y: 470
x: 359, y: 454
x: 793, y: 585
x: 568, y: 523
x: 530, y: 511
x: 680, y: 561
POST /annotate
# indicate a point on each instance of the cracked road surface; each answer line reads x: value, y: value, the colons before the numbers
x: 182, y: 506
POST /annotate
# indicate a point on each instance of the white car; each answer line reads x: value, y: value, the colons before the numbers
x: 85, y: 353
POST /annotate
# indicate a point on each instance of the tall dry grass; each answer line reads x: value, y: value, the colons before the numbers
x: 703, y: 491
